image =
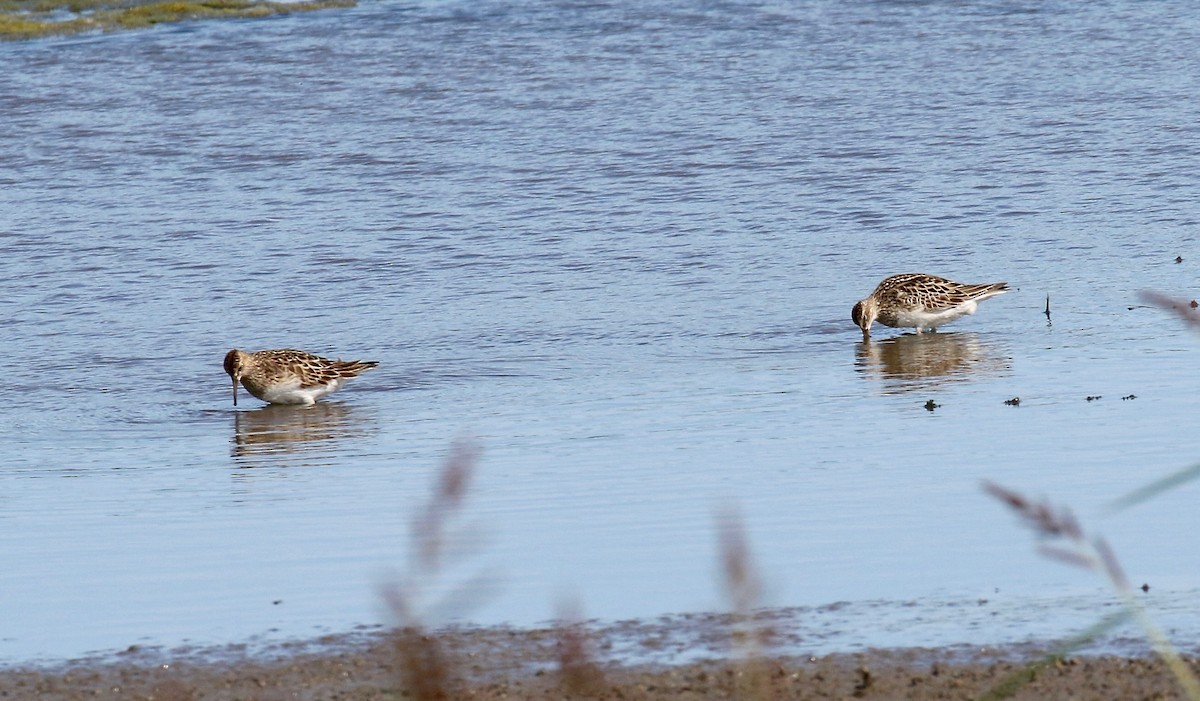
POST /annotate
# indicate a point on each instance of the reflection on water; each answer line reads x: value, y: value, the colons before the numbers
x: 912, y: 362
x: 293, y: 435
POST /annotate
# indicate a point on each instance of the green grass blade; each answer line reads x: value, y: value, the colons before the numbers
x: 1011, y: 684
x: 1153, y: 489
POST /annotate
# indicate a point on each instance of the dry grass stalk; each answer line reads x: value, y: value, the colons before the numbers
x: 1042, y: 517
x: 423, y: 668
x: 579, y: 674
x: 425, y: 672
x: 1094, y: 554
x: 1184, y: 309
x: 744, y: 588
x: 430, y: 530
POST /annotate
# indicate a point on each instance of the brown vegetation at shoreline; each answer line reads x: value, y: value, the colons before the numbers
x: 31, y: 19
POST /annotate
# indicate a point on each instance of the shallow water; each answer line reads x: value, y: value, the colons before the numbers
x: 615, y: 245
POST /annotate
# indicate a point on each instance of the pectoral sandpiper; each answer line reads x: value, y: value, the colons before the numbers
x: 287, y: 376
x: 922, y: 301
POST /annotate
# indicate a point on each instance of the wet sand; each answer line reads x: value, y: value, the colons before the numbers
x: 500, y: 663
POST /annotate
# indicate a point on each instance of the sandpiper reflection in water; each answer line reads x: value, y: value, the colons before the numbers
x: 911, y: 362
x: 281, y: 435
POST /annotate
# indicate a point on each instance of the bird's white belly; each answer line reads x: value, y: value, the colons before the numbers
x: 292, y: 393
x: 926, y: 319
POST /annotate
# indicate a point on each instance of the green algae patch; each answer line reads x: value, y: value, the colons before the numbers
x: 30, y: 19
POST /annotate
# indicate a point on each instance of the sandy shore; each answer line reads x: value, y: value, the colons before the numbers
x: 500, y: 663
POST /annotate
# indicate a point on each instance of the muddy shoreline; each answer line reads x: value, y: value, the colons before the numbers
x: 584, y: 662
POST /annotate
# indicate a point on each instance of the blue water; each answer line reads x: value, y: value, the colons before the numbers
x: 615, y: 246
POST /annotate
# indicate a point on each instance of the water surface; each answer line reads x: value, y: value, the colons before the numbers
x: 614, y: 244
